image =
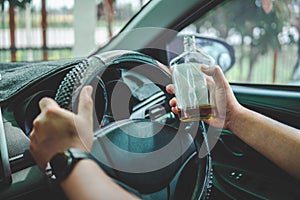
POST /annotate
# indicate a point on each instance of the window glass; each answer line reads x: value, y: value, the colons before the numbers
x: 37, y: 30
x: 265, y: 37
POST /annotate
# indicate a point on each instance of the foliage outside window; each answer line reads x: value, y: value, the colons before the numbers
x: 265, y: 36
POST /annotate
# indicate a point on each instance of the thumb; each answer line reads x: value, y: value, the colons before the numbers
x: 85, y: 105
x: 216, y: 73
x: 46, y: 102
x: 170, y: 89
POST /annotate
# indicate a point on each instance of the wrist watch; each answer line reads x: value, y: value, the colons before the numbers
x: 63, y: 163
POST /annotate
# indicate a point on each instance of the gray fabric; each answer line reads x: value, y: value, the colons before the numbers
x: 17, y: 76
x: 16, y: 140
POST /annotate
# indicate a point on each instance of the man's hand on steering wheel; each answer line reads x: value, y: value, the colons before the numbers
x: 56, y: 129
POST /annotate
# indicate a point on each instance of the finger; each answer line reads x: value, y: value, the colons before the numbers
x: 216, y: 73
x: 37, y: 158
x: 32, y: 136
x: 175, y: 110
x: 217, y: 123
x: 173, y: 102
x: 85, y: 105
x: 210, y: 82
x: 170, y: 89
x: 46, y: 102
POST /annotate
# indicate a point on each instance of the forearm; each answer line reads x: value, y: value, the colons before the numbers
x: 88, y: 181
x: 276, y: 141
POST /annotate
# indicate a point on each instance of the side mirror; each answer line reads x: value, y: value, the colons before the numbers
x: 220, y: 50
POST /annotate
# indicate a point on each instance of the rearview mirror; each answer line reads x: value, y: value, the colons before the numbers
x: 220, y: 50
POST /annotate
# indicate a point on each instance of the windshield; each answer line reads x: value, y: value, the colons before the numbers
x: 48, y: 30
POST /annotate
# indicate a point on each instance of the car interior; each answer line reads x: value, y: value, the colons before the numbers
x: 133, y: 119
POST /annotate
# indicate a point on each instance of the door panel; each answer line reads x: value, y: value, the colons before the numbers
x: 240, y: 172
x: 281, y: 104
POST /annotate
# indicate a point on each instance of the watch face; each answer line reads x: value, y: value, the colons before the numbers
x: 63, y: 163
x: 60, y: 162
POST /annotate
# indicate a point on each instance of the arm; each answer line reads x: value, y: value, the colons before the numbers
x: 55, y: 130
x: 276, y: 141
x: 88, y: 181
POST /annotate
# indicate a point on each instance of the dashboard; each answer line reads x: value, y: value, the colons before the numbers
x: 120, y: 92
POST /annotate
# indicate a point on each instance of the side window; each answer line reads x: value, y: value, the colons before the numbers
x: 265, y: 37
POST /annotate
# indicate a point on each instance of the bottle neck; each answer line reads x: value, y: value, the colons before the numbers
x: 189, y: 43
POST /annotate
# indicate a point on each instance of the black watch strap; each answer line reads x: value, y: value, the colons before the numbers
x: 63, y: 163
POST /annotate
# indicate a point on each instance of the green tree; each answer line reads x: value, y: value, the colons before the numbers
x: 248, y: 19
x: 19, y: 3
x: 295, y: 22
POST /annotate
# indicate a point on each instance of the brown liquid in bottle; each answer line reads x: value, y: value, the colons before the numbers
x: 196, y: 114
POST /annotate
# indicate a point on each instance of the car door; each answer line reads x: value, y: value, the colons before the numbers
x: 265, y: 37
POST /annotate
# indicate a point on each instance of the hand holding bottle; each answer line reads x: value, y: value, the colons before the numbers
x: 194, y: 100
x: 227, y: 107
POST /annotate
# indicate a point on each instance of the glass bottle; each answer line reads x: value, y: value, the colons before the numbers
x: 194, y: 100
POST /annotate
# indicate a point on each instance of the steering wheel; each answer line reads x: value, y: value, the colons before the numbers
x: 145, y: 156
